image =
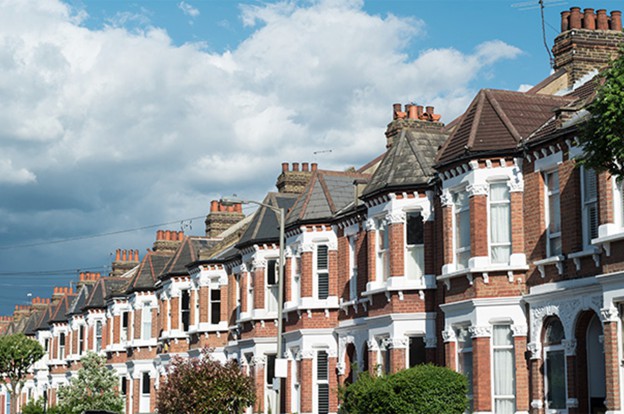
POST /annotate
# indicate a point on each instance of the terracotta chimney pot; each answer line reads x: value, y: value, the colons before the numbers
x: 117, y: 253
x: 589, y: 19
x: 565, y: 21
x: 284, y: 167
x: 419, y: 111
x: 616, y: 20
x: 159, y: 235
x: 430, y: 110
x: 295, y: 166
x: 314, y: 166
x: 412, y: 112
x: 214, y: 204
x: 396, y: 108
x: 167, y: 234
x: 602, y: 20
x: 575, y: 18
x: 304, y: 166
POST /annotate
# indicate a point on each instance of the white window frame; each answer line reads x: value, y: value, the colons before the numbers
x: 214, y: 287
x: 296, y: 278
x: 81, y: 339
x: 460, y: 250
x: 63, y: 347
x: 124, y: 331
x: 180, y: 310
x: 618, y: 202
x: 382, y: 255
x: 503, y: 348
x: 459, y: 351
x: 353, y: 266
x: 490, y: 224
x: 318, y: 381
x: 271, y: 289
x: 409, y: 248
x: 318, y: 272
x: 586, y: 204
x: 146, y: 334
x: 249, y: 289
x: 548, y: 214
x: 97, y: 342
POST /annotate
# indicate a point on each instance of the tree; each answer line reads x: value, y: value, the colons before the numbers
x: 93, y: 388
x: 602, y: 136
x: 424, y: 389
x: 17, y: 354
x: 205, y: 386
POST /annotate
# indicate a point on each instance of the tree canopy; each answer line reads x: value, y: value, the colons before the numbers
x: 205, y: 386
x: 17, y: 354
x: 602, y: 136
x: 93, y: 388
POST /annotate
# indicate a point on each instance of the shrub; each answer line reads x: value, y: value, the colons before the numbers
x: 424, y: 389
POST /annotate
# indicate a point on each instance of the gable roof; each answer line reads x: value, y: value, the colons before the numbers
x: 59, y: 313
x: 80, y: 300
x: 326, y: 193
x: 102, y: 289
x: 264, y: 226
x: 146, y: 275
x: 44, y: 318
x: 187, y: 252
x: 496, y: 121
x: 32, y: 323
x: 408, y: 162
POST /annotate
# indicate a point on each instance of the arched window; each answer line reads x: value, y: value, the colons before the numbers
x: 554, y: 365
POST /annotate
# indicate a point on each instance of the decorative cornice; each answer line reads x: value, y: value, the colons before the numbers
x: 535, y: 348
x: 306, y: 354
x: 258, y: 361
x: 570, y: 346
x: 448, y: 335
x: 609, y: 314
x: 396, y: 343
x: 480, y: 331
x: 477, y: 189
x: 372, y: 345
x: 519, y: 330
x: 395, y: 217
x: 258, y: 263
x: 515, y: 186
x: 446, y: 198
x: 306, y: 248
x: 370, y: 224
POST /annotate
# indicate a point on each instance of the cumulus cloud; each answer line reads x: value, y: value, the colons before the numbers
x: 117, y: 127
x: 188, y: 9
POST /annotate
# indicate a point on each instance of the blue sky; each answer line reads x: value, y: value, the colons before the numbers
x: 121, y: 114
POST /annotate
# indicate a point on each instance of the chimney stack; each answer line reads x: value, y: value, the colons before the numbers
x: 293, y: 180
x: 124, y: 261
x: 166, y: 241
x: 414, y: 116
x: 588, y: 41
x: 222, y: 217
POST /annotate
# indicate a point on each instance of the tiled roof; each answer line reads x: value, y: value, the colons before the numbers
x: 44, y: 318
x: 102, y: 289
x: 326, y: 193
x: 146, y: 275
x: 59, y: 314
x: 408, y: 162
x: 497, y: 121
x: 32, y: 323
x: 187, y: 252
x: 81, y: 299
x: 264, y: 225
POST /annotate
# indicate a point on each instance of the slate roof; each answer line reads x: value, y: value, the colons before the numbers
x: 264, y: 226
x: 146, y: 275
x: 59, y: 313
x: 81, y: 299
x: 408, y: 162
x: 497, y: 121
x: 44, y: 318
x: 104, y: 288
x: 188, y: 252
x: 326, y: 193
x: 32, y: 323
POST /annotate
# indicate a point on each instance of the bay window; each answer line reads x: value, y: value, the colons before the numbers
x: 504, y: 370
x: 500, y: 223
x: 185, y: 309
x: 589, y: 207
x: 553, y: 213
x: 146, y: 323
x: 414, y: 243
x: 461, y: 229
x: 383, y: 251
x: 322, y: 271
x: 215, y: 305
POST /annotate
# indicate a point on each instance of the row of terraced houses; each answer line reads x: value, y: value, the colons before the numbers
x: 479, y: 245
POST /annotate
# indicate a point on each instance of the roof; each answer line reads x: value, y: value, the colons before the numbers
x: 264, y: 226
x: 32, y: 323
x: 102, y: 289
x: 408, y: 162
x: 146, y: 275
x: 326, y: 193
x: 81, y: 299
x: 497, y: 121
x: 187, y: 252
x: 44, y: 318
x: 59, y: 313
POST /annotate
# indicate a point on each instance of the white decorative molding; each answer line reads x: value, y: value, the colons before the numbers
x: 477, y: 189
x: 395, y: 217
x: 370, y: 224
x: 340, y: 368
x: 372, y: 345
x: 519, y: 330
x: 448, y: 335
x: 258, y: 263
x: 566, y: 310
x: 332, y: 245
x: 306, y: 248
x: 396, y: 343
x: 609, y: 314
x: 515, y: 185
x: 480, y: 331
x: 570, y: 346
x: 537, y: 404
x: 535, y: 348
x: 306, y: 354
x: 258, y: 361
x: 332, y: 353
x: 446, y: 198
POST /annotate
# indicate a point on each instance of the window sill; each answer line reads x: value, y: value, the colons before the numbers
x: 137, y: 343
x: 121, y: 347
x: 308, y: 303
x: 594, y: 252
x: 211, y: 327
x: 557, y: 261
x: 400, y: 284
x: 484, y: 270
x: 608, y: 233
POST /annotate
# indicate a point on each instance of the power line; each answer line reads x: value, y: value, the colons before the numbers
x: 53, y: 272
x: 94, y: 236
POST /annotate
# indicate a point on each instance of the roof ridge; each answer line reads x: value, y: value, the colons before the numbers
x: 328, y: 197
x: 476, y: 119
x: 308, y: 194
x: 503, y: 116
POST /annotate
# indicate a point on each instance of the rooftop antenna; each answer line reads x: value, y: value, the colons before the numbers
x: 321, y: 152
x: 541, y: 4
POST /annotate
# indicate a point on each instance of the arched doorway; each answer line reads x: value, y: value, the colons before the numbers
x: 595, y: 367
x: 351, y: 364
x: 555, y: 381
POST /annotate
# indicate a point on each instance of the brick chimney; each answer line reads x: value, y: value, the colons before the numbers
x: 589, y: 40
x: 88, y: 278
x: 124, y: 261
x: 167, y: 241
x: 60, y: 292
x: 21, y: 312
x: 414, y: 116
x: 5, y: 321
x: 222, y: 217
x: 293, y: 179
x: 40, y: 303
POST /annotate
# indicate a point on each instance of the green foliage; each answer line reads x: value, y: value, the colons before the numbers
x: 602, y: 136
x: 424, y: 389
x: 36, y: 407
x: 205, y: 386
x: 17, y: 354
x: 93, y: 388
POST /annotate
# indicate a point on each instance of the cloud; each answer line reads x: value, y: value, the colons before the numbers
x: 188, y: 9
x: 118, y: 127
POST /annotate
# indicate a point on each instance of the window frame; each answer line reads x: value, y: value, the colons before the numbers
x: 503, y: 347
x: 321, y: 381
x: 146, y: 334
x: 382, y: 250
x: 548, y: 214
x: 554, y: 348
x: 353, y: 266
x: 492, y: 203
x: 461, y: 353
x: 459, y: 251
x: 270, y: 289
x: 318, y: 272
x: 183, y: 312
x: 586, y: 205
x: 409, y: 247
x: 62, y: 345
x: 98, y: 329
x: 212, y: 304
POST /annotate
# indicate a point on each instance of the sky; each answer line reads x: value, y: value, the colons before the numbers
x: 122, y: 117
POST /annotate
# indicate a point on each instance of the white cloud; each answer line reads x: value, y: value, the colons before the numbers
x: 524, y: 87
x: 120, y: 127
x: 188, y: 9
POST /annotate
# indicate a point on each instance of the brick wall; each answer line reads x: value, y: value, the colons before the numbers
x: 478, y: 233
x: 397, y: 249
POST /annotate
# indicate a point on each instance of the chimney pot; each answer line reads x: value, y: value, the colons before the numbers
x: 214, y: 205
x: 159, y: 235
x: 419, y: 111
x: 396, y: 108
x: 589, y: 19
x: 565, y: 21
x: 295, y: 166
x: 412, y: 112
x: 575, y: 18
x: 124, y: 255
x: 304, y: 166
x: 239, y: 208
x: 117, y: 255
x: 167, y: 234
x: 314, y: 166
x: 616, y: 20
x: 602, y: 20
x: 284, y: 167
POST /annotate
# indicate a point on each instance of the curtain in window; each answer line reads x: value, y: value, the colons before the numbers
x: 504, y: 372
x: 500, y: 223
